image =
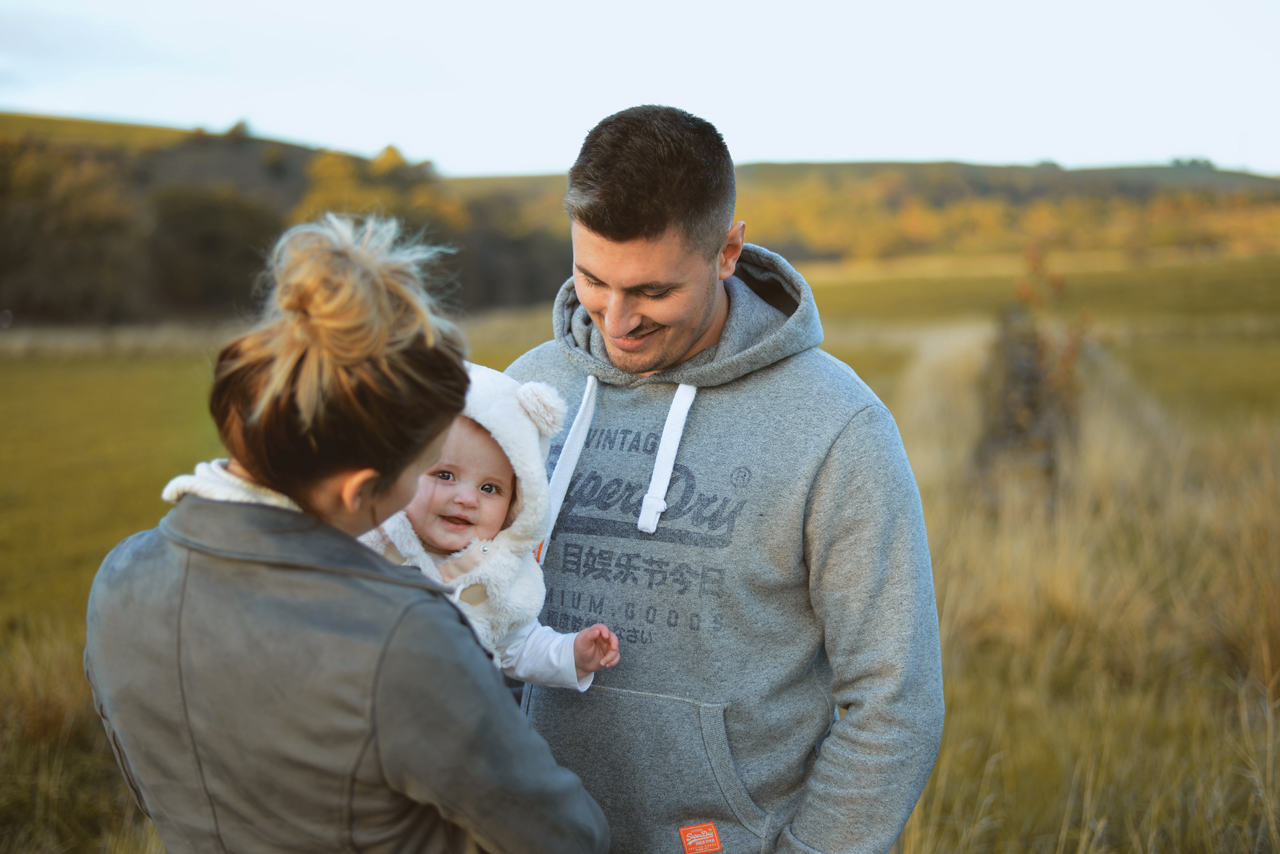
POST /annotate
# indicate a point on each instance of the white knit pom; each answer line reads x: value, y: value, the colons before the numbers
x: 544, y: 406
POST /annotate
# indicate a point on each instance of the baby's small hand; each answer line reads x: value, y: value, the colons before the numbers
x: 594, y: 648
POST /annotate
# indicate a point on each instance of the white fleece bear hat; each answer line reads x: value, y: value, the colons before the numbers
x: 521, y: 418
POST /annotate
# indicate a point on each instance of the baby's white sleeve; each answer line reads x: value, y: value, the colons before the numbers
x: 540, y: 655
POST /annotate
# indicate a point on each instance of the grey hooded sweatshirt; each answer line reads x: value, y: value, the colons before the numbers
x: 787, y: 577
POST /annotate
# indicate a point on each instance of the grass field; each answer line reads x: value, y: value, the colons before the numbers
x: 1202, y: 337
x: 87, y: 446
x: 1111, y: 670
x: 1246, y: 286
x: 1210, y: 379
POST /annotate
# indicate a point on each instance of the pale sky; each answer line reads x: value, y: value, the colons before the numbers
x: 500, y: 88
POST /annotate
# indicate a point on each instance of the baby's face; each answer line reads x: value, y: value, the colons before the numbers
x: 466, y: 494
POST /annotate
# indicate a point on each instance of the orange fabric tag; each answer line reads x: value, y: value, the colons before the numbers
x: 700, y: 838
x: 537, y: 553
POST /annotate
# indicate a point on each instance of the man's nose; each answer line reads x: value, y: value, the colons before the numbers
x: 620, y: 316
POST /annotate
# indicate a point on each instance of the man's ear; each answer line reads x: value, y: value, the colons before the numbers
x: 732, y: 249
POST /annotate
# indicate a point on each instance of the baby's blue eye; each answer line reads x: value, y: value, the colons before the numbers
x: 488, y: 487
x: 445, y: 475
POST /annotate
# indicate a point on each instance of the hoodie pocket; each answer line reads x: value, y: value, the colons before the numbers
x: 653, y: 762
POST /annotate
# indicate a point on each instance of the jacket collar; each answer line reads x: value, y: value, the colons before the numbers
x: 282, y: 538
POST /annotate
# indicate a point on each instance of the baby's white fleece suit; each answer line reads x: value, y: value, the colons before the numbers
x: 501, y: 590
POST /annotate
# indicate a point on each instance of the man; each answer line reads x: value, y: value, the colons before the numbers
x: 741, y: 513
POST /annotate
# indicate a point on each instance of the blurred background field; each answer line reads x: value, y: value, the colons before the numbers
x: 1110, y: 623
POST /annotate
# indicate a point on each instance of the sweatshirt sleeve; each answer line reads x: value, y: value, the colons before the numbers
x: 540, y: 655
x: 871, y: 585
x: 447, y: 734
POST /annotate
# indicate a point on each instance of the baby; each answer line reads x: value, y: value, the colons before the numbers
x: 479, y: 515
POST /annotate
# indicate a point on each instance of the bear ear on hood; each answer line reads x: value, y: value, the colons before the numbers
x: 543, y: 405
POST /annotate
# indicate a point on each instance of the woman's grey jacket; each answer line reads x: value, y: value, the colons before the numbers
x: 268, y: 684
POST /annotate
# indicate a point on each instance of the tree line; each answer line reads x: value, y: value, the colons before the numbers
x: 96, y: 233
x: 888, y: 210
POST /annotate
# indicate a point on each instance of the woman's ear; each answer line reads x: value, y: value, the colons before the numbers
x: 356, y: 489
x: 346, y: 500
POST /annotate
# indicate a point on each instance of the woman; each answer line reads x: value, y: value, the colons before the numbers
x: 269, y: 684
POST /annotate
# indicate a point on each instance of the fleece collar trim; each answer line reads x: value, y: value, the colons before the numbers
x: 213, y: 480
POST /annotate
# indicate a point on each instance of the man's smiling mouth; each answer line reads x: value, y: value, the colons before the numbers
x: 634, y: 341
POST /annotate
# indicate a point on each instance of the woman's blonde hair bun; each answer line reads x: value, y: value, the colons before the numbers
x: 343, y: 292
x: 349, y: 341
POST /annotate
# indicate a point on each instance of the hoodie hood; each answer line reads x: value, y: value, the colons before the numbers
x: 771, y: 316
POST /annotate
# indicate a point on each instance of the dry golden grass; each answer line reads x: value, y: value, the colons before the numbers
x: 60, y: 789
x: 1111, y: 667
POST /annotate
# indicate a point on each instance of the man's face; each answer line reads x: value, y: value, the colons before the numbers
x: 655, y: 302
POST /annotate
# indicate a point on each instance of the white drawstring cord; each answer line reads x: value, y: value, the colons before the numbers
x: 655, y: 499
x: 568, y: 460
x: 654, y: 502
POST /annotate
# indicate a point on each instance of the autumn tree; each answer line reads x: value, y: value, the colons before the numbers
x: 71, y: 236
x: 208, y: 247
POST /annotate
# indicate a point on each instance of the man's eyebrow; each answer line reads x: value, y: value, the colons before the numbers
x: 640, y: 287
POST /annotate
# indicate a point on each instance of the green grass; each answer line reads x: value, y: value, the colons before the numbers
x: 1210, y: 380
x: 130, y: 138
x: 499, y: 338
x: 86, y: 445
x: 1221, y: 287
x: 496, y: 355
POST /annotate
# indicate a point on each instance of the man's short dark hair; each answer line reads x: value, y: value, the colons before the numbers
x: 648, y: 168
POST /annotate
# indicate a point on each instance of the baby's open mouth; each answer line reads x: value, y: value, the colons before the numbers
x: 456, y: 520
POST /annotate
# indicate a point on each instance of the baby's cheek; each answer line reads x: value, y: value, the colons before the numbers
x: 498, y: 517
